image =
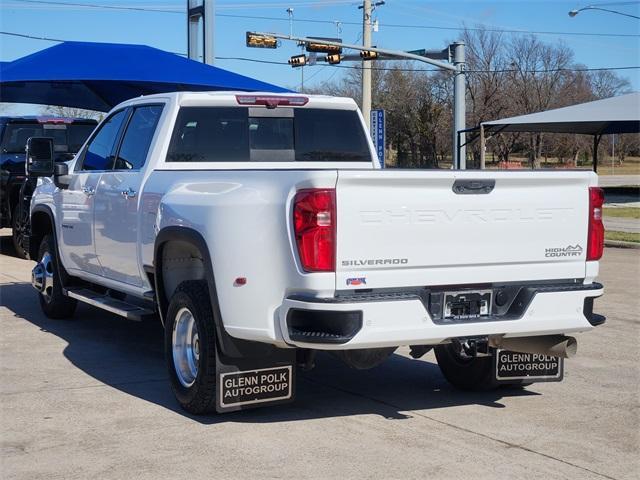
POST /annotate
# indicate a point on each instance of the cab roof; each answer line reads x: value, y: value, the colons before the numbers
x: 232, y: 98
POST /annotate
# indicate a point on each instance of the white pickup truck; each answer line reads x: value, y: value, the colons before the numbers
x: 261, y: 229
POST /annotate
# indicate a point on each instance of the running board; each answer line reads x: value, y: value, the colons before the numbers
x: 110, y: 304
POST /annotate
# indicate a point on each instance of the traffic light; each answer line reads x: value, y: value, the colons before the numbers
x: 333, y: 59
x: 298, y: 60
x: 322, y: 48
x: 261, y: 41
x: 368, y: 55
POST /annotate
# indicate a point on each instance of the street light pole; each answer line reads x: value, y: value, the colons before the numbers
x: 573, y: 13
x: 459, y: 107
x: 366, y: 66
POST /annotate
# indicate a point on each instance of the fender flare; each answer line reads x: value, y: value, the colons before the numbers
x: 228, y: 346
x: 35, y: 246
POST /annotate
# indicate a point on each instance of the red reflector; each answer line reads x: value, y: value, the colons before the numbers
x: 595, y: 241
x: 314, y: 223
x: 271, y: 101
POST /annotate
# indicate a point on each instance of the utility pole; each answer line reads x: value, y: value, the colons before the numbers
x: 459, y: 107
x: 366, y: 66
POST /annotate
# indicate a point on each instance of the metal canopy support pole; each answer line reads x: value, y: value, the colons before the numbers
x: 482, y: 148
x: 596, y: 143
x: 459, y: 107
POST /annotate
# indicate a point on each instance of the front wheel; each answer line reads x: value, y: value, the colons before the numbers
x: 45, y: 277
x: 463, y: 371
x: 190, y: 347
x: 18, y: 228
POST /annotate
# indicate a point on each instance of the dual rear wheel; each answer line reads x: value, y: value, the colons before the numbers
x: 190, y: 347
x: 471, y: 373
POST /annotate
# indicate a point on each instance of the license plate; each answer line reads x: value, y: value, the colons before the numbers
x: 527, y: 367
x: 467, y: 305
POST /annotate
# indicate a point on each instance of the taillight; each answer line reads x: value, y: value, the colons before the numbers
x: 314, y: 223
x: 595, y: 241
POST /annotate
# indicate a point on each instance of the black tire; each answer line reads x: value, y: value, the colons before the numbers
x: 475, y: 373
x: 54, y: 303
x: 17, y: 232
x: 200, y: 396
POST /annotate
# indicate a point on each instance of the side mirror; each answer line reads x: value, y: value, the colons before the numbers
x: 61, y: 176
x: 40, y: 162
x: 60, y: 169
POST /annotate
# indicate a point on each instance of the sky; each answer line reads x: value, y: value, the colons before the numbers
x: 403, y: 24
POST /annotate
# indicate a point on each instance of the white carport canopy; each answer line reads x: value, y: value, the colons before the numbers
x: 600, y: 117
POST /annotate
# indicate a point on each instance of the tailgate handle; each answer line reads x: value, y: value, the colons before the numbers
x: 473, y: 187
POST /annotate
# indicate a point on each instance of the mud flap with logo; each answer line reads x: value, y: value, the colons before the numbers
x: 514, y: 368
x: 255, y: 381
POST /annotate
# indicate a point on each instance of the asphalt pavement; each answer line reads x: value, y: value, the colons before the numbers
x: 89, y: 398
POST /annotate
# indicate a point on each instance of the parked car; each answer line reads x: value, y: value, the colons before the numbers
x: 68, y: 136
x: 261, y: 229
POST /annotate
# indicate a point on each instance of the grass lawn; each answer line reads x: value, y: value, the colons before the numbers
x: 631, y: 166
x: 626, y: 212
x: 624, y: 236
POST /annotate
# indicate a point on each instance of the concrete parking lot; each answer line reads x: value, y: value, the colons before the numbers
x: 89, y: 398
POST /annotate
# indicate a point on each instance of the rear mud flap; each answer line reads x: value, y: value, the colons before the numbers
x: 255, y: 382
x: 514, y: 368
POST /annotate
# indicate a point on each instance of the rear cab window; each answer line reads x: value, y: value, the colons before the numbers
x: 68, y: 137
x: 258, y: 134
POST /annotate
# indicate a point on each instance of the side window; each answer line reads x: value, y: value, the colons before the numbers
x: 100, y: 149
x: 137, y: 138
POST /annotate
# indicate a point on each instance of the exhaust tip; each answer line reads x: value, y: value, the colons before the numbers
x: 571, y: 347
x: 552, y: 345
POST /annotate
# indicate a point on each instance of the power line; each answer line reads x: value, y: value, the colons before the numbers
x: 311, y: 20
x: 272, y: 62
x: 32, y: 37
x: 614, y: 4
x: 104, y: 7
x: 49, y: 39
x: 181, y: 11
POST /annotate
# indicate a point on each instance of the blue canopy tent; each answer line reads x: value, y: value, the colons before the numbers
x: 98, y: 76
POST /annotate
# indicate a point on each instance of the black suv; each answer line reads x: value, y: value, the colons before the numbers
x: 69, y: 134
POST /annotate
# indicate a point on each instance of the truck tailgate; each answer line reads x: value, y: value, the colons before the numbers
x: 409, y: 228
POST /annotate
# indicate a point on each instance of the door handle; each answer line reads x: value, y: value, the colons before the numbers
x: 88, y: 191
x: 130, y: 193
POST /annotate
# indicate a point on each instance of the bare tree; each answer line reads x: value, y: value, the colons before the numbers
x: 72, y: 112
x: 506, y: 76
x: 605, y: 84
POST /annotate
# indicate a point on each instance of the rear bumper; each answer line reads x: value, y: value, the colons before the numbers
x: 395, y: 319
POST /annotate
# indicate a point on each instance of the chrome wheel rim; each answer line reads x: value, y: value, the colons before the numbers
x: 185, y: 347
x: 43, y: 276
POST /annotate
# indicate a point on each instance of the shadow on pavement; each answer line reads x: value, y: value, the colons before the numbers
x: 6, y: 245
x: 129, y: 356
